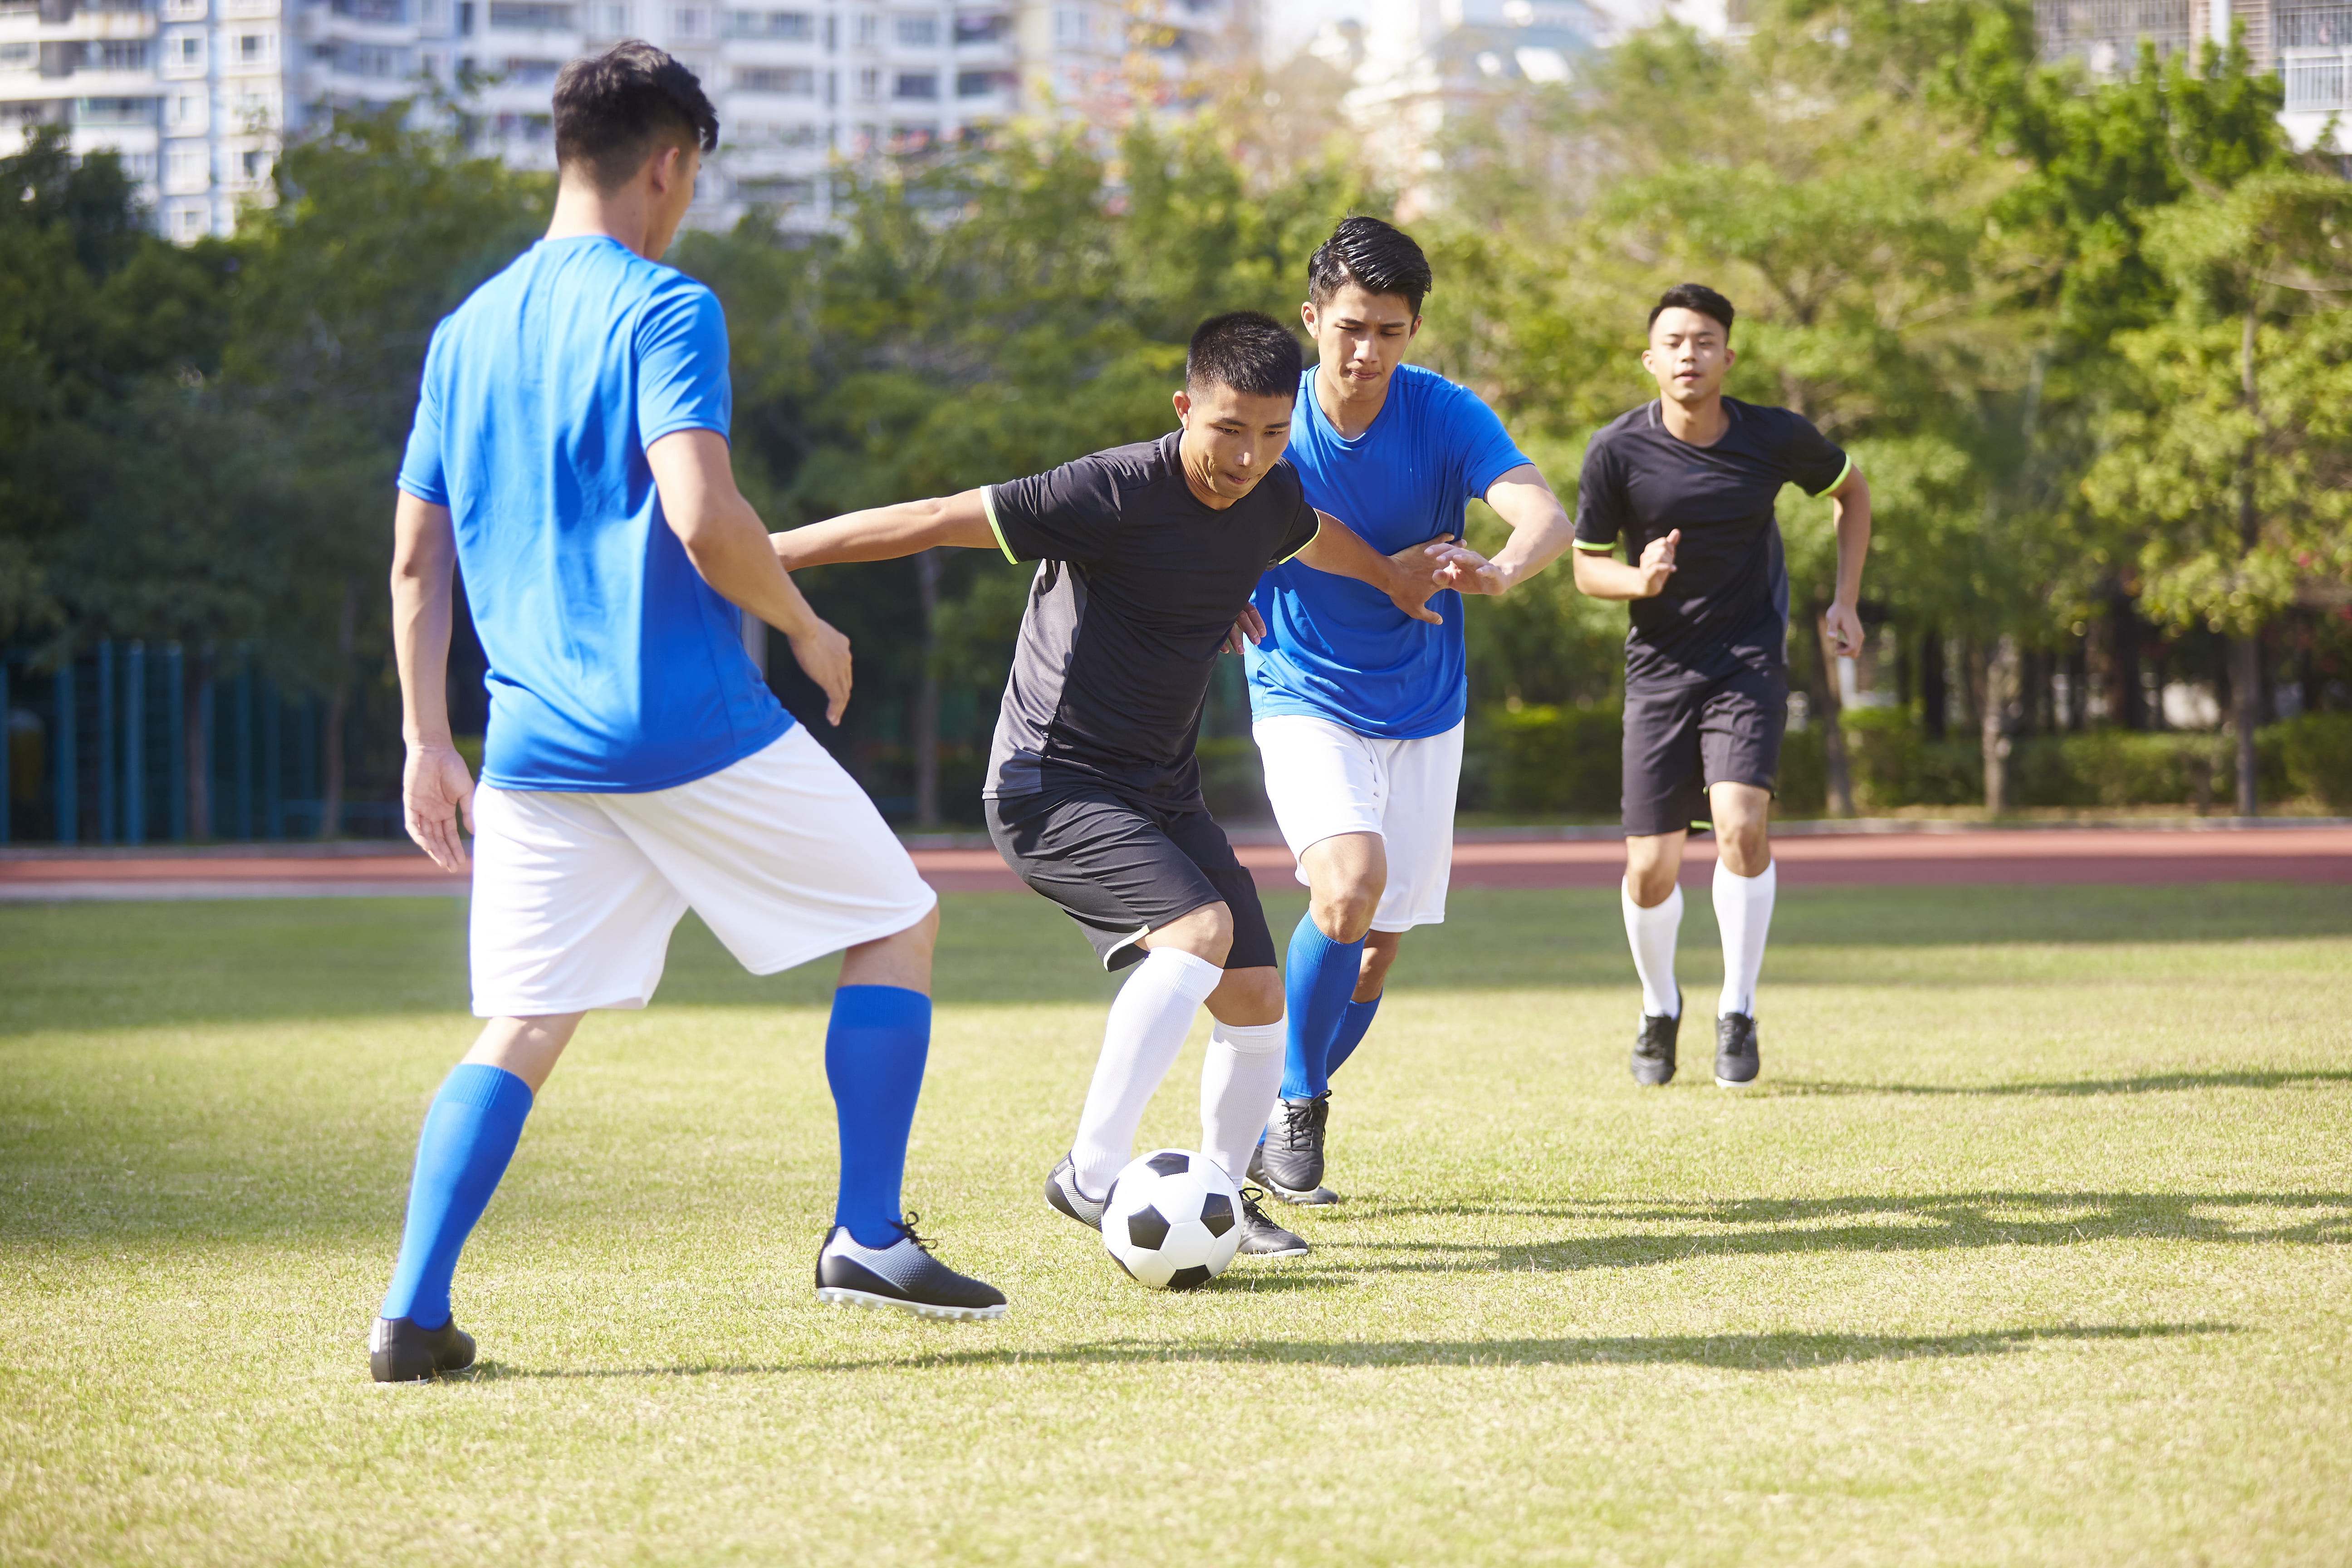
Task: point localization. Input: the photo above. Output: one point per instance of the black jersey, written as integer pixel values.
(1726, 605)
(1139, 584)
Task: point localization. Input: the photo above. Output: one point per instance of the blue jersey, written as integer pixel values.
(612, 666)
(1336, 648)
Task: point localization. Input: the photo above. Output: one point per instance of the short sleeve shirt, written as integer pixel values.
(1339, 649)
(1139, 585)
(612, 666)
(1726, 605)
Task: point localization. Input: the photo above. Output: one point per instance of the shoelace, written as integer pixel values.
(907, 1229)
(1250, 1210)
(1297, 1123)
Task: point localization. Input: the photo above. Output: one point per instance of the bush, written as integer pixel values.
(1548, 758)
(2316, 754)
(1232, 780)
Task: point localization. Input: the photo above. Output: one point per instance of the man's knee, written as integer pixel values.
(1205, 932)
(1344, 912)
(1652, 866)
(1742, 829)
(1248, 997)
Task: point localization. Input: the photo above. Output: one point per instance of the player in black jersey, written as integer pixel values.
(1148, 554)
(1688, 483)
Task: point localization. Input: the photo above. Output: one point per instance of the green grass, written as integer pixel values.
(2031, 1247)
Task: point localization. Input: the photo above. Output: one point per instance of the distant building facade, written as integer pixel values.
(2307, 42)
(197, 96)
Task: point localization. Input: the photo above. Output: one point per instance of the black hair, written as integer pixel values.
(613, 110)
(1247, 350)
(1694, 297)
(1379, 257)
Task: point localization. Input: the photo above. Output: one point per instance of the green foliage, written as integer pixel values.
(2316, 750)
(1546, 758)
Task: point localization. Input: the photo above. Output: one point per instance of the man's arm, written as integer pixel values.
(1603, 576)
(434, 784)
(1541, 531)
(728, 545)
(1340, 550)
(1850, 511)
(888, 533)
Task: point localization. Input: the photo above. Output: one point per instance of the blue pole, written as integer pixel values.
(175, 729)
(273, 765)
(106, 741)
(69, 784)
(7, 770)
(134, 743)
(245, 749)
(210, 826)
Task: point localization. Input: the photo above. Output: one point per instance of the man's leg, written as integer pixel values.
(1745, 885)
(1241, 1076)
(875, 1046)
(1345, 875)
(1651, 899)
(1364, 1002)
(469, 1135)
(1183, 964)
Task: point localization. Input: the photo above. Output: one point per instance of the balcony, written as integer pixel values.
(2318, 81)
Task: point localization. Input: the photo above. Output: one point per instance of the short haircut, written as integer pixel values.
(1247, 350)
(1378, 256)
(613, 110)
(1694, 297)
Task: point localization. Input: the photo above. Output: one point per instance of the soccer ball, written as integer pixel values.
(1173, 1220)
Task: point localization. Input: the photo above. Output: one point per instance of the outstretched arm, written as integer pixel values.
(724, 539)
(1539, 527)
(434, 784)
(1408, 579)
(1606, 577)
(888, 533)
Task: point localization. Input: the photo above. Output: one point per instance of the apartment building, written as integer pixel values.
(197, 95)
(2307, 42)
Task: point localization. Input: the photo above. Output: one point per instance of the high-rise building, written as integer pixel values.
(2307, 42)
(197, 95)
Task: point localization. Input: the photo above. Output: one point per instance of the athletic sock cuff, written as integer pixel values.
(1252, 1039)
(1309, 942)
(1724, 873)
(477, 1086)
(1188, 974)
(880, 1007)
(1672, 904)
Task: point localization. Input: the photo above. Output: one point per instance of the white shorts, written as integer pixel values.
(1324, 780)
(575, 894)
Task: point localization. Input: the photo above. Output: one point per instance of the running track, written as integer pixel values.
(2318, 853)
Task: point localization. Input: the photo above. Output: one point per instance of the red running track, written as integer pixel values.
(2320, 855)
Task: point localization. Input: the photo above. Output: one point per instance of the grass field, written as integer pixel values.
(2031, 1247)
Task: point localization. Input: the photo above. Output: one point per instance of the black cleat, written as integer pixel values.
(1653, 1048)
(1290, 1161)
(1261, 1237)
(1736, 1054)
(1256, 1173)
(902, 1275)
(400, 1351)
(1062, 1192)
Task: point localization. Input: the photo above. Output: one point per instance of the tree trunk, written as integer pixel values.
(2078, 686)
(2000, 722)
(2131, 697)
(1934, 695)
(2246, 650)
(926, 695)
(1824, 694)
(195, 680)
(331, 793)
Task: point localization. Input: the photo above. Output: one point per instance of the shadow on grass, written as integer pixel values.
(2152, 1083)
(1737, 1352)
(1753, 1227)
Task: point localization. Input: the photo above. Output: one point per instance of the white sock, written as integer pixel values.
(1743, 909)
(1652, 934)
(1149, 1020)
(1240, 1081)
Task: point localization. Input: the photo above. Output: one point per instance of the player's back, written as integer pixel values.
(613, 665)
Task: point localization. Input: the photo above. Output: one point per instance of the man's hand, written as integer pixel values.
(822, 654)
(1251, 625)
(1417, 576)
(1841, 629)
(1465, 570)
(1658, 565)
(434, 788)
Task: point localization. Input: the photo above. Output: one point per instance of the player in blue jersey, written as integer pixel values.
(1357, 708)
(570, 453)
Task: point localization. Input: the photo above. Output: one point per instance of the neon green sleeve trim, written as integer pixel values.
(987, 506)
(1303, 548)
(1833, 484)
(1601, 547)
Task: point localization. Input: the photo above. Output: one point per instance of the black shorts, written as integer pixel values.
(1681, 739)
(1120, 869)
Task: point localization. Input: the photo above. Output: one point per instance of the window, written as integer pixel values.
(918, 32)
(870, 84)
(256, 109)
(184, 111)
(530, 15)
(979, 84)
(613, 19)
(868, 32)
(183, 55)
(433, 15)
(187, 223)
(114, 111)
(370, 10)
(114, 57)
(183, 10)
(528, 72)
(689, 22)
(186, 168)
(780, 27)
(916, 84)
(1072, 26)
(252, 50)
(797, 81)
(26, 57)
(254, 166)
(777, 192)
(982, 27)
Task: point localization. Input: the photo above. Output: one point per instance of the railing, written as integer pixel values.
(2317, 81)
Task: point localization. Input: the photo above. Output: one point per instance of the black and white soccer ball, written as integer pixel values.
(1173, 1219)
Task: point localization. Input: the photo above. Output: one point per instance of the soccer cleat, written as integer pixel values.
(1256, 1173)
(1062, 1192)
(1736, 1054)
(1290, 1161)
(902, 1275)
(400, 1351)
(1653, 1048)
(1261, 1237)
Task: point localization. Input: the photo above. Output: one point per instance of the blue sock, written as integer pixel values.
(874, 1055)
(469, 1135)
(1351, 1034)
(1317, 981)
